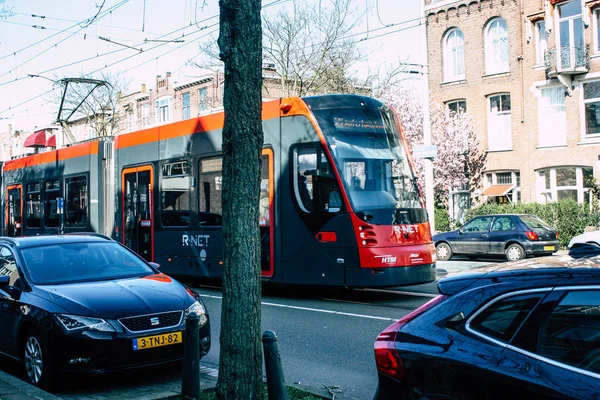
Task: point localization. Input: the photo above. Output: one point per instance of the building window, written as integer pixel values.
(597, 31)
(496, 46)
(570, 35)
(591, 100)
(457, 106)
(163, 110)
(499, 129)
(145, 115)
(454, 55)
(185, 105)
(202, 99)
(495, 193)
(541, 41)
(564, 183)
(552, 117)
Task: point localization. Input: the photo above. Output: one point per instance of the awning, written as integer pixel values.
(36, 139)
(51, 141)
(497, 190)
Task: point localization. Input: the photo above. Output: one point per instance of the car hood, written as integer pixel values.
(445, 235)
(118, 298)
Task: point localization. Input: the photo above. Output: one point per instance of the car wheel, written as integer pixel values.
(444, 251)
(514, 252)
(36, 360)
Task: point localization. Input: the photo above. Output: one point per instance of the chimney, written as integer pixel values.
(143, 88)
(168, 74)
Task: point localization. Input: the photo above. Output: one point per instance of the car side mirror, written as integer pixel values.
(154, 265)
(460, 231)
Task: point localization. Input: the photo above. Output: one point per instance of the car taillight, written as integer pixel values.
(387, 358)
(557, 234)
(531, 235)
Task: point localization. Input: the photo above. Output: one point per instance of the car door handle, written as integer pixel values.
(485, 235)
(5, 305)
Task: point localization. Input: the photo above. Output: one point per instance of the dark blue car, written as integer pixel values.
(512, 235)
(528, 329)
(85, 303)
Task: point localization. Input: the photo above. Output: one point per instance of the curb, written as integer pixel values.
(12, 388)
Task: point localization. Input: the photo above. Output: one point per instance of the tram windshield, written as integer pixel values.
(372, 161)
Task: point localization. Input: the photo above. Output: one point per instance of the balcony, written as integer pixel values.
(567, 61)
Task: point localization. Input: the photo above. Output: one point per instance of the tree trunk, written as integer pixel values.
(240, 48)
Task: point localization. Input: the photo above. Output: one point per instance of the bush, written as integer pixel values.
(442, 220)
(567, 216)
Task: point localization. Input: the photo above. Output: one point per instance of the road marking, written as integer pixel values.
(431, 295)
(313, 309)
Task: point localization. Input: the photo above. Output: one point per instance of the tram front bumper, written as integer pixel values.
(390, 276)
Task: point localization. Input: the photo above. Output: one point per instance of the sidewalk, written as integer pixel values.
(12, 388)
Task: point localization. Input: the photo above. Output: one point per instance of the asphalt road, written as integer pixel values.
(325, 339)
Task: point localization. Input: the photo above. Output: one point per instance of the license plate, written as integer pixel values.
(149, 342)
(549, 248)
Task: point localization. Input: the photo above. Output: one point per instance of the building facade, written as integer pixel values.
(528, 73)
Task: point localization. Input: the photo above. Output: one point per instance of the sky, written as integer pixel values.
(60, 38)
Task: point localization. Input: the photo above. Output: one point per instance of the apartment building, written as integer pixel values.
(528, 73)
(172, 101)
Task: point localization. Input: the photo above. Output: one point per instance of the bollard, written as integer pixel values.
(275, 381)
(190, 385)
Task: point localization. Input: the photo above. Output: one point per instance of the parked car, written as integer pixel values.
(587, 237)
(528, 329)
(512, 235)
(85, 303)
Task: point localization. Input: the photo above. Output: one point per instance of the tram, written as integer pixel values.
(339, 204)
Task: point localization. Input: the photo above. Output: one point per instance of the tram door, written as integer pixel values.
(138, 215)
(14, 211)
(267, 225)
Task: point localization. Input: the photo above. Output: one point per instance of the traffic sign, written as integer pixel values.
(425, 152)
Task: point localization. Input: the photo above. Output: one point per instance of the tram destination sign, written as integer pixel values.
(425, 152)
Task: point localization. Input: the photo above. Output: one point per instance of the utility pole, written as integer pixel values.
(428, 163)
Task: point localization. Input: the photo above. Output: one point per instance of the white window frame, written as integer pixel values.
(493, 62)
(515, 193)
(596, 32)
(162, 107)
(186, 109)
(539, 49)
(145, 115)
(201, 99)
(506, 140)
(464, 110)
(450, 74)
(543, 139)
(570, 19)
(543, 192)
(594, 137)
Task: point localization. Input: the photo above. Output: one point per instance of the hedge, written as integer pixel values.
(567, 216)
(442, 220)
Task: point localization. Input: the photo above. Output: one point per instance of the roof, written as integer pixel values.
(36, 139)
(559, 270)
(47, 240)
(497, 190)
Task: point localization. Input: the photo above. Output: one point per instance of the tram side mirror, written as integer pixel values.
(154, 265)
(335, 202)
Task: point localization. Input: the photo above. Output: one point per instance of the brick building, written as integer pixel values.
(528, 73)
(172, 101)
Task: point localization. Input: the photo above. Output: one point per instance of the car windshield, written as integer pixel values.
(534, 222)
(373, 163)
(82, 262)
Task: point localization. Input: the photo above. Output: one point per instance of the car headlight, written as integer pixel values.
(198, 308)
(75, 322)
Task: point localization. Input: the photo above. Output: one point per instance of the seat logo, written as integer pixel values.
(154, 321)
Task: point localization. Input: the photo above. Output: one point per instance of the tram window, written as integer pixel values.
(264, 206)
(315, 186)
(34, 206)
(210, 210)
(51, 193)
(76, 203)
(175, 194)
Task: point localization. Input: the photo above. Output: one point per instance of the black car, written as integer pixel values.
(85, 303)
(529, 329)
(512, 235)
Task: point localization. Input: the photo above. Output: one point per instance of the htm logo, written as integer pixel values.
(387, 259)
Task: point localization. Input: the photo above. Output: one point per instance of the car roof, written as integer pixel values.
(46, 240)
(505, 215)
(560, 270)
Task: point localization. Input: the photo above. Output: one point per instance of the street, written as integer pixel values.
(325, 339)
